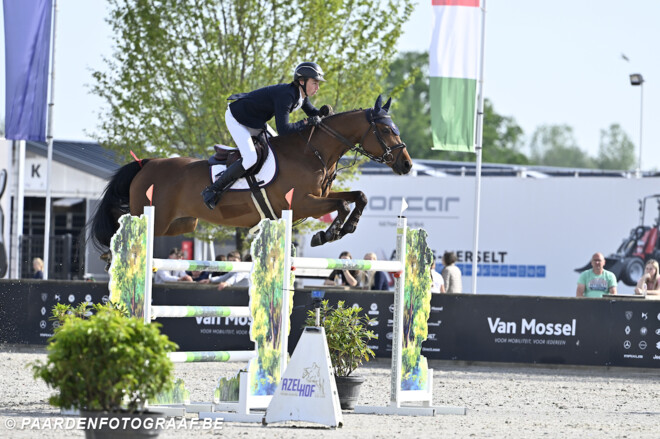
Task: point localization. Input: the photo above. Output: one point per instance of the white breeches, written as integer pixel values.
(243, 138)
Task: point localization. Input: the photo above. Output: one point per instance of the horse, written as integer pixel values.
(307, 162)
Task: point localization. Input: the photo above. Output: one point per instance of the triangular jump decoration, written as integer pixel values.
(150, 194)
(307, 391)
(289, 197)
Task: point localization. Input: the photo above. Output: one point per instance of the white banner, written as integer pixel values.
(534, 233)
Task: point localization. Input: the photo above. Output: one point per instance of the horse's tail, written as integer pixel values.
(114, 204)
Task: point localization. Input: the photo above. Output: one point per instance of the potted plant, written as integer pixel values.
(106, 365)
(348, 335)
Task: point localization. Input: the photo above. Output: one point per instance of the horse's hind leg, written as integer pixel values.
(180, 226)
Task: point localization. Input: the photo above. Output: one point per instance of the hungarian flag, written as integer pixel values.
(27, 50)
(453, 68)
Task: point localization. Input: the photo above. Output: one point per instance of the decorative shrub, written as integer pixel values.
(348, 335)
(105, 361)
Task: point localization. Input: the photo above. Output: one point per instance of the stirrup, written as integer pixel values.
(211, 196)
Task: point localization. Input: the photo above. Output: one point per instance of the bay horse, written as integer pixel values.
(307, 162)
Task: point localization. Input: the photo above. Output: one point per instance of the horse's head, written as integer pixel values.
(381, 142)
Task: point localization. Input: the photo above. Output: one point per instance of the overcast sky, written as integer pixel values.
(546, 62)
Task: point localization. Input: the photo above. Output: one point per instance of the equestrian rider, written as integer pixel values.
(249, 113)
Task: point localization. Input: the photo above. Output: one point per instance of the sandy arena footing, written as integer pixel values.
(507, 401)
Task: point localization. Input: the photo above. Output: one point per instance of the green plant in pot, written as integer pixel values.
(347, 332)
(106, 364)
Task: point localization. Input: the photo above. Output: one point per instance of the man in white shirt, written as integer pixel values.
(163, 276)
(236, 279)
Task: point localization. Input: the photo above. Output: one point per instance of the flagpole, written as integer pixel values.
(478, 147)
(49, 140)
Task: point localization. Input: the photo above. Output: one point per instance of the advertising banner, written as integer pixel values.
(533, 233)
(481, 328)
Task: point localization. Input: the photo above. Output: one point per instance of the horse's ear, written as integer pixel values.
(379, 103)
(386, 107)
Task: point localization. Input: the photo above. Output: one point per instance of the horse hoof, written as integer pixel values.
(348, 228)
(318, 239)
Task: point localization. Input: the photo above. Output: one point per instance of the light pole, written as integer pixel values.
(638, 79)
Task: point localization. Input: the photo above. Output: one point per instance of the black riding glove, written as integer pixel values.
(314, 121)
(326, 110)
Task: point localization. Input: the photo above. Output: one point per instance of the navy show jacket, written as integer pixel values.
(256, 108)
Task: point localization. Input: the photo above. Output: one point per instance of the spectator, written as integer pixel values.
(219, 273)
(451, 274)
(237, 279)
(163, 276)
(343, 277)
(649, 283)
(596, 281)
(437, 282)
(198, 276)
(38, 266)
(373, 280)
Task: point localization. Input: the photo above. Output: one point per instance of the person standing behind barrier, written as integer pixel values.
(649, 283)
(219, 273)
(437, 282)
(233, 278)
(163, 276)
(373, 280)
(596, 281)
(38, 266)
(343, 277)
(451, 274)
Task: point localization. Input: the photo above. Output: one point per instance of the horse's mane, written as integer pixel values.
(343, 113)
(327, 118)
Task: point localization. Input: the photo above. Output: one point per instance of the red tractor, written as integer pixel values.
(628, 262)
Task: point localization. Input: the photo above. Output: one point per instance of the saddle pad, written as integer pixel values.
(265, 175)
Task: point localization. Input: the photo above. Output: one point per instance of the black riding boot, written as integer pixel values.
(213, 192)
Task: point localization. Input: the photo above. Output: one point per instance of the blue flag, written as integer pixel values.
(27, 49)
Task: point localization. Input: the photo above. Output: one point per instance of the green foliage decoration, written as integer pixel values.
(266, 295)
(128, 269)
(348, 334)
(177, 394)
(416, 310)
(106, 362)
(228, 389)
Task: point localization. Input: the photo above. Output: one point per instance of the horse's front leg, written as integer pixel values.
(319, 206)
(360, 201)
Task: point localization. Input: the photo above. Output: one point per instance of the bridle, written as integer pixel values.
(387, 157)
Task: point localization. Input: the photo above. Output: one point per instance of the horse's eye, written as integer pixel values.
(386, 130)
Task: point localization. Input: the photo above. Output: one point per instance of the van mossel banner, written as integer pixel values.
(453, 62)
(534, 233)
(27, 50)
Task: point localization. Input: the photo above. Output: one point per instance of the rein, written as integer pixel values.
(386, 158)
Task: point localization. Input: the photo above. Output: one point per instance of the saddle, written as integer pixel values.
(227, 156)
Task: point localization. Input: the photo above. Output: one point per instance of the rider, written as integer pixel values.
(247, 115)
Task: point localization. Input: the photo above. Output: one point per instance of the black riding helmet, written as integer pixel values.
(308, 70)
